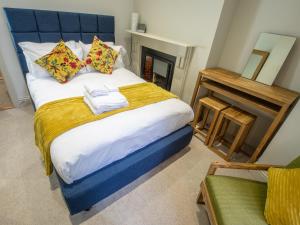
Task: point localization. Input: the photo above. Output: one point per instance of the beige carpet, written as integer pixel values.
(166, 195)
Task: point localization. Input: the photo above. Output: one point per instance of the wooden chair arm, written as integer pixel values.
(235, 165)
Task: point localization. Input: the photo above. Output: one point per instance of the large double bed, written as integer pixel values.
(98, 158)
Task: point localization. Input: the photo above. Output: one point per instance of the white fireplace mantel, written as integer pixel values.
(182, 52)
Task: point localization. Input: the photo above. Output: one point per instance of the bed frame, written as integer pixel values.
(51, 26)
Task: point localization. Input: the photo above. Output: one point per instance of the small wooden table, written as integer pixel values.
(272, 100)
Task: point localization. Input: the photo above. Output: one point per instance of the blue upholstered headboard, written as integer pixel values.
(52, 26)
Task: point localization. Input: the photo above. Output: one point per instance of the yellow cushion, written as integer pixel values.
(61, 63)
(101, 56)
(283, 197)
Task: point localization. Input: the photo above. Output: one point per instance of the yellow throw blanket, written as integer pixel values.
(57, 117)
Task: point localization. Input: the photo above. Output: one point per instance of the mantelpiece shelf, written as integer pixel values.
(163, 39)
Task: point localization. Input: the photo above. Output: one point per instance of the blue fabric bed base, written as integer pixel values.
(86, 192)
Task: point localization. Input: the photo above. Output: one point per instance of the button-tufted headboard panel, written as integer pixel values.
(52, 26)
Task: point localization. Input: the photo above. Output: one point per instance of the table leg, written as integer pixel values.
(270, 132)
(197, 114)
(205, 117)
(196, 90)
(224, 128)
(212, 126)
(216, 130)
(237, 141)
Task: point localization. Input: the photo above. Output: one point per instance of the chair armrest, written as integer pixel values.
(235, 165)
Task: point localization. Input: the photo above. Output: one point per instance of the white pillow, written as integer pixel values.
(33, 51)
(119, 48)
(43, 48)
(86, 49)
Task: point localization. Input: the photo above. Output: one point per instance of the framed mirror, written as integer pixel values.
(268, 56)
(255, 62)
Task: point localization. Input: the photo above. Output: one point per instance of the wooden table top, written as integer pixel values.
(275, 94)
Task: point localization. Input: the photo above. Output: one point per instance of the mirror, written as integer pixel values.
(255, 63)
(268, 56)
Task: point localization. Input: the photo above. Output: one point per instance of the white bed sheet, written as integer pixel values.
(88, 148)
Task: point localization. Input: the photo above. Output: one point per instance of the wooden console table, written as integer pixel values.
(273, 100)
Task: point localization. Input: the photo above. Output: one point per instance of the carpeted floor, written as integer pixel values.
(164, 196)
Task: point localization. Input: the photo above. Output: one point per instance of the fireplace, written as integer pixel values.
(157, 67)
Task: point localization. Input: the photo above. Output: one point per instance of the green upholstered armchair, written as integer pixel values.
(235, 201)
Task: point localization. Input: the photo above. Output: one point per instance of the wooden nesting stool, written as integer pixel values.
(205, 105)
(244, 119)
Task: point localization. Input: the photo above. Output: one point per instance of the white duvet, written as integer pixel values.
(88, 148)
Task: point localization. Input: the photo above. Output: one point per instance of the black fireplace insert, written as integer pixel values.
(157, 67)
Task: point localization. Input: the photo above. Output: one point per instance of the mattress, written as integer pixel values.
(92, 146)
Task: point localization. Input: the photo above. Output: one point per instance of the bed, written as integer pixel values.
(116, 150)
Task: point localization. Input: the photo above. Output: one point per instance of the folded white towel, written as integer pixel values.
(111, 88)
(100, 104)
(96, 89)
(112, 99)
(95, 111)
(101, 109)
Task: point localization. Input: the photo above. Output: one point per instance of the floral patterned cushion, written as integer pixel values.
(101, 56)
(61, 62)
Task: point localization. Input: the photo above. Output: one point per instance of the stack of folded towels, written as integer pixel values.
(103, 98)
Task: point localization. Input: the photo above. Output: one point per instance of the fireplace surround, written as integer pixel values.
(181, 52)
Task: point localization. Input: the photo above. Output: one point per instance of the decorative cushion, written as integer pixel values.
(283, 197)
(101, 56)
(237, 201)
(120, 61)
(33, 51)
(61, 63)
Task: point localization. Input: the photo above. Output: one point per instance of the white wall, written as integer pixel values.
(193, 21)
(121, 9)
(275, 16)
(221, 33)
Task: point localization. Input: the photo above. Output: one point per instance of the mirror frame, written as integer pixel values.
(264, 55)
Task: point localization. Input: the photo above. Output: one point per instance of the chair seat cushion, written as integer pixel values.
(294, 164)
(237, 201)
